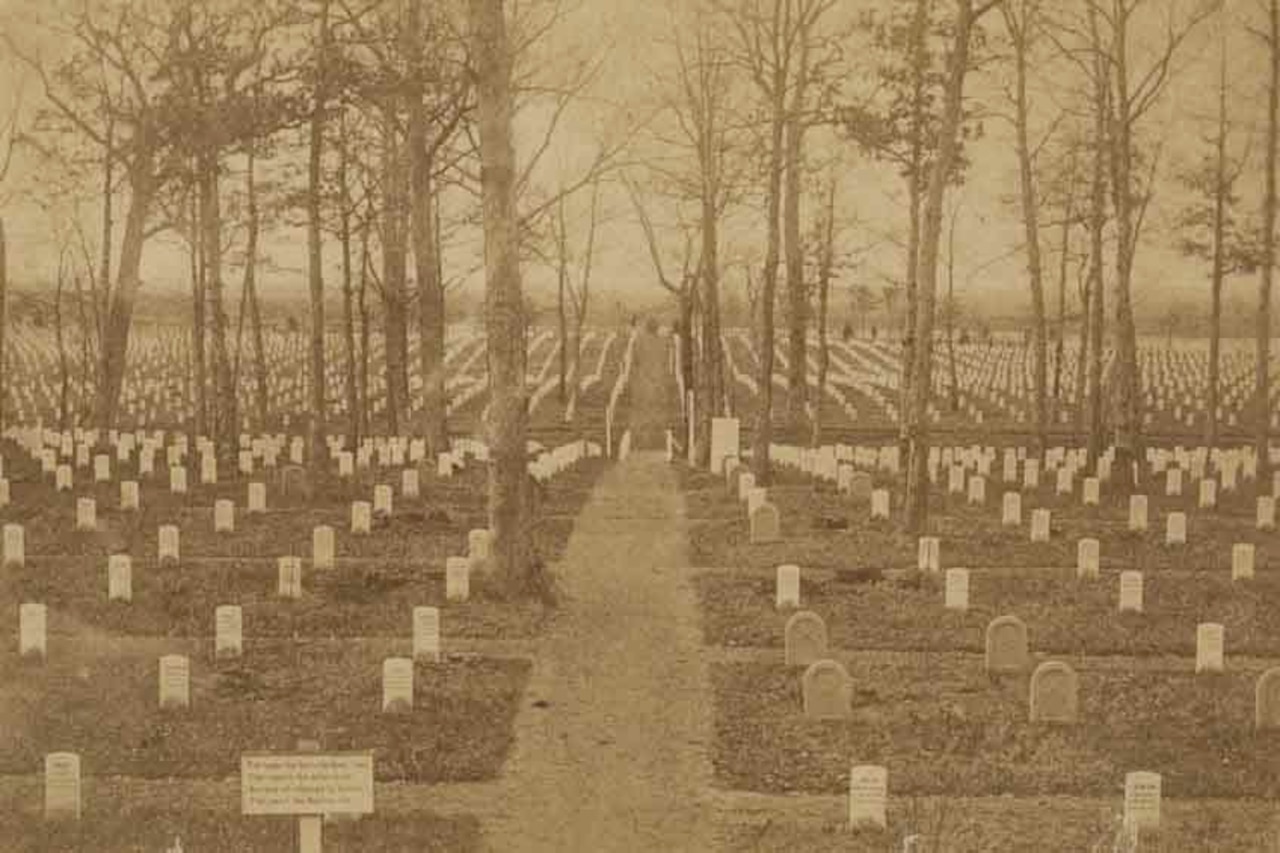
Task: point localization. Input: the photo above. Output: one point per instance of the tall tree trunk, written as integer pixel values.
(426, 255)
(508, 522)
(1060, 345)
(394, 269)
(1082, 358)
(709, 392)
(1097, 224)
(64, 365)
(930, 238)
(763, 435)
(915, 173)
(1129, 422)
(1262, 391)
(1219, 231)
(362, 307)
(315, 260)
(825, 264)
(114, 345)
(4, 326)
(562, 284)
(1020, 27)
(261, 389)
(797, 292)
(199, 426)
(352, 394)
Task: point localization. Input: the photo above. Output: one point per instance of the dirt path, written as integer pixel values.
(611, 742)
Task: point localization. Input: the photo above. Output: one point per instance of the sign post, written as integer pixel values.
(308, 785)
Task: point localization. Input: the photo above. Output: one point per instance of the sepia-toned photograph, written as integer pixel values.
(715, 426)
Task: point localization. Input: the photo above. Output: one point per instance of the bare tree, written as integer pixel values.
(506, 426)
(1262, 387)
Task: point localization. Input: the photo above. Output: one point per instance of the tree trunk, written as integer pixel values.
(915, 169)
(352, 394)
(1220, 189)
(261, 388)
(431, 325)
(797, 293)
(1129, 422)
(361, 417)
(825, 265)
(1082, 359)
(115, 339)
(1097, 224)
(394, 269)
(1060, 345)
(518, 573)
(4, 326)
(930, 238)
(562, 283)
(1262, 390)
(199, 425)
(1020, 32)
(315, 259)
(763, 434)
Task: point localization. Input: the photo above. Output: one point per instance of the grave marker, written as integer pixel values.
(32, 630)
(805, 639)
(229, 635)
(1040, 525)
(1242, 554)
(1266, 704)
(14, 546)
(361, 518)
(1054, 693)
(1175, 531)
(787, 593)
(828, 692)
(1006, 645)
(62, 785)
(1011, 509)
(1088, 552)
(1142, 800)
(175, 682)
(765, 525)
(397, 685)
(1210, 638)
(1131, 591)
(1138, 513)
(868, 795)
(928, 554)
(119, 578)
(322, 547)
(956, 596)
(289, 583)
(1266, 514)
(168, 550)
(257, 497)
(130, 499)
(86, 514)
(224, 516)
(457, 578)
(426, 633)
(880, 504)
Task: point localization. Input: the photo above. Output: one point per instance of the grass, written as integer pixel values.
(153, 831)
(106, 709)
(1064, 615)
(942, 726)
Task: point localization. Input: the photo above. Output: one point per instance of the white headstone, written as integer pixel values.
(14, 546)
(322, 547)
(724, 441)
(168, 550)
(1173, 482)
(1266, 517)
(257, 497)
(457, 578)
(868, 796)
(977, 490)
(957, 589)
(1242, 554)
(175, 682)
(479, 544)
(178, 480)
(1208, 494)
(426, 633)
(1011, 509)
(86, 514)
(1175, 531)
(62, 785)
(229, 636)
(1209, 647)
(880, 504)
(224, 516)
(361, 517)
(1088, 552)
(129, 497)
(1092, 491)
(32, 629)
(382, 500)
(346, 465)
(928, 554)
(1040, 525)
(289, 582)
(63, 479)
(1138, 513)
(1131, 591)
(410, 483)
(1142, 800)
(397, 684)
(102, 468)
(788, 587)
(119, 578)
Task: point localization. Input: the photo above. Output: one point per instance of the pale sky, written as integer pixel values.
(630, 40)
